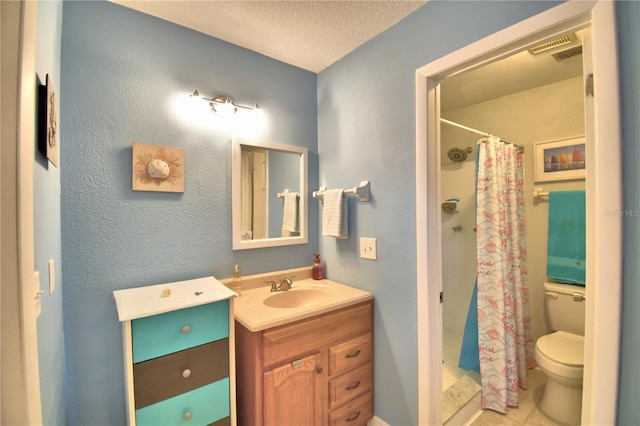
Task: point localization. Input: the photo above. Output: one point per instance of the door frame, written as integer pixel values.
(20, 368)
(604, 195)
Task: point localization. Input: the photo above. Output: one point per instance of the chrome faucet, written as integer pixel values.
(285, 284)
(274, 285)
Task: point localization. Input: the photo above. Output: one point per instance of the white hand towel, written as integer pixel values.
(290, 214)
(334, 214)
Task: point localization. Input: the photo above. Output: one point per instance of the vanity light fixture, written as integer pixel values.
(223, 105)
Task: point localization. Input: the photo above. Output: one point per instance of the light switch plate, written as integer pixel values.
(368, 248)
(52, 276)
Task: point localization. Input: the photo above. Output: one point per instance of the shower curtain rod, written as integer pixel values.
(477, 132)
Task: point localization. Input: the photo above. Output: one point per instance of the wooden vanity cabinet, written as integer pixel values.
(316, 371)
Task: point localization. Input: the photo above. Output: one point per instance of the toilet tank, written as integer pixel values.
(563, 307)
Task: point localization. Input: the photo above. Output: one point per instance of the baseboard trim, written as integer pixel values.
(377, 421)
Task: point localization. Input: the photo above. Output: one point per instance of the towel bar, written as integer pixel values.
(362, 191)
(538, 192)
(286, 191)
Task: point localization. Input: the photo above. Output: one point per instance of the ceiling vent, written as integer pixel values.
(553, 43)
(568, 53)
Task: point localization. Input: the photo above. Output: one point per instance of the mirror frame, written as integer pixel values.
(236, 196)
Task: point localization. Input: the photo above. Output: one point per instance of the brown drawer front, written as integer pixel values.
(345, 356)
(348, 386)
(290, 341)
(222, 422)
(355, 413)
(161, 378)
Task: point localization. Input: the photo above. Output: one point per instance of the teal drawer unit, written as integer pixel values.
(178, 330)
(170, 375)
(202, 406)
(179, 353)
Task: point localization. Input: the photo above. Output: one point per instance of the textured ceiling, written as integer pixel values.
(312, 35)
(307, 34)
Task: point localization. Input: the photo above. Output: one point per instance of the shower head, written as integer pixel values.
(458, 155)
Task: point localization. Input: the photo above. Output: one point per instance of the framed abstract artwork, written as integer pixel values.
(559, 160)
(157, 168)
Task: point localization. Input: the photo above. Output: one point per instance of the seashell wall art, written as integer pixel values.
(157, 168)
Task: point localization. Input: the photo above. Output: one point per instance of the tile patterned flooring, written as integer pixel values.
(451, 373)
(458, 395)
(527, 413)
(459, 387)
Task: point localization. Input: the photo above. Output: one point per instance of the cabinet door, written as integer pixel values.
(293, 393)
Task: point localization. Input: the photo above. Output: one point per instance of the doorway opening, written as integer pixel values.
(604, 189)
(526, 98)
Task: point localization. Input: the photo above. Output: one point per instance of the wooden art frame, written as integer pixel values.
(559, 160)
(157, 168)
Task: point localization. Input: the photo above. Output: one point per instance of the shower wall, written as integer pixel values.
(547, 113)
(458, 243)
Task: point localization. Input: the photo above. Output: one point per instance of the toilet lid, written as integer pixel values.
(563, 347)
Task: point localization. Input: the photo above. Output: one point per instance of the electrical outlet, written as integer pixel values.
(368, 248)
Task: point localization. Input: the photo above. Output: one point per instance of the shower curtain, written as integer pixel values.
(504, 330)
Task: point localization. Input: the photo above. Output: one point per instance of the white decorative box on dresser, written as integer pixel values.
(179, 353)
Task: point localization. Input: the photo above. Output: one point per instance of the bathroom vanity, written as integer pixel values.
(305, 356)
(179, 353)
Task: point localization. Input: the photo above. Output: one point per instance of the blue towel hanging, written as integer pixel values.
(469, 353)
(566, 243)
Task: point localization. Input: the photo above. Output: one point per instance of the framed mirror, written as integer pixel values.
(269, 194)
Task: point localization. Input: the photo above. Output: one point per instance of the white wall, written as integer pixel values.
(458, 248)
(551, 112)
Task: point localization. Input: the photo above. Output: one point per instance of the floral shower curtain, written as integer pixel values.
(504, 328)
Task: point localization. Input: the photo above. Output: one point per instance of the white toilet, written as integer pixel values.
(560, 354)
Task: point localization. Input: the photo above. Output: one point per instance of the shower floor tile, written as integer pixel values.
(451, 373)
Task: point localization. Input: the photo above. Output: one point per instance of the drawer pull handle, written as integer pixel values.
(187, 415)
(354, 386)
(354, 418)
(353, 355)
(319, 370)
(185, 329)
(186, 373)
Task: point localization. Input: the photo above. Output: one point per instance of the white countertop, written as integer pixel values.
(150, 300)
(254, 315)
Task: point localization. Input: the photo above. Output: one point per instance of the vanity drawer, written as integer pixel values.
(167, 376)
(355, 413)
(203, 406)
(174, 331)
(348, 386)
(289, 341)
(345, 356)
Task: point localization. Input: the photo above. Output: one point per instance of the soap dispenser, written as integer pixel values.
(237, 279)
(317, 271)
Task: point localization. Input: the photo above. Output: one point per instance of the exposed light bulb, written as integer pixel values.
(226, 109)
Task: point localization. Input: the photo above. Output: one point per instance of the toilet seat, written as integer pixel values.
(561, 353)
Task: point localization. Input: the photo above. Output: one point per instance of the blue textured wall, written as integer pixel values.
(628, 14)
(366, 110)
(125, 78)
(47, 237)
(119, 70)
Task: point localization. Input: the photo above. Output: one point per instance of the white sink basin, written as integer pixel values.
(259, 308)
(296, 298)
